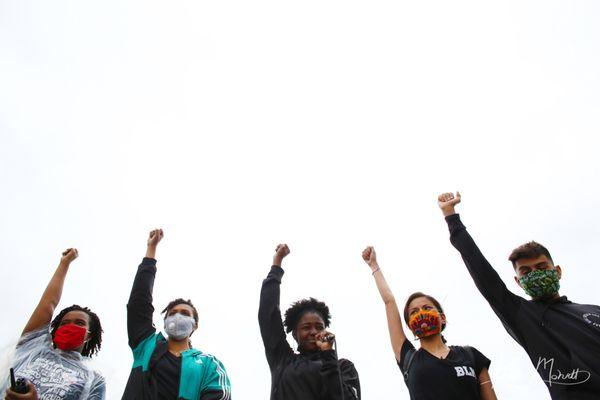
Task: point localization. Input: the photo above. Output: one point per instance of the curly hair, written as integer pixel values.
(92, 346)
(301, 307)
(181, 301)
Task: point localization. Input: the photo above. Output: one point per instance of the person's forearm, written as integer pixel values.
(382, 286)
(151, 252)
(447, 211)
(50, 298)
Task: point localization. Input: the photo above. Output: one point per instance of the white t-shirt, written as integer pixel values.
(56, 374)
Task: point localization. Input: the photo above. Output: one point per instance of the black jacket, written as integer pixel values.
(562, 338)
(315, 376)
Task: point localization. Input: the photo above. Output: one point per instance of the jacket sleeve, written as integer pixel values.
(139, 306)
(340, 377)
(269, 319)
(98, 390)
(217, 385)
(488, 282)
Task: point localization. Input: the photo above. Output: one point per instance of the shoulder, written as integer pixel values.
(209, 360)
(473, 355)
(39, 335)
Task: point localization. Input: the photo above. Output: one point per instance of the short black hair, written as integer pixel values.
(529, 250)
(181, 301)
(301, 307)
(92, 346)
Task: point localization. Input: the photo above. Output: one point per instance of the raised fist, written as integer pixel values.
(155, 236)
(281, 251)
(370, 257)
(69, 255)
(447, 201)
(324, 340)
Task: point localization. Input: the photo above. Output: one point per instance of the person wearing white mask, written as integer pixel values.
(167, 368)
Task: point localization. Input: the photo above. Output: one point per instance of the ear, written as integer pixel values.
(294, 335)
(558, 271)
(443, 320)
(518, 282)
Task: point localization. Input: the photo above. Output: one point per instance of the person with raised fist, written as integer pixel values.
(436, 370)
(562, 338)
(314, 372)
(167, 368)
(53, 355)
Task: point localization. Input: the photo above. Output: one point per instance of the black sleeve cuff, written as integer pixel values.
(276, 272)
(454, 223)
(151, 262)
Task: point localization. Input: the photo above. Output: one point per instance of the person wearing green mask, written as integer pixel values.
(561, 338)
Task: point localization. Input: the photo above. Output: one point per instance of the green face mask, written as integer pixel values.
(540, 283)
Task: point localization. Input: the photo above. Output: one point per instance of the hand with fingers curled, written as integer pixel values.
(281, 251)
(325, 340)
(370, 257)
(31, 394)
(155, 237)
(69, 255)
(447, 202)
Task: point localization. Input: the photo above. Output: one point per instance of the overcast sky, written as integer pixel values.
(328, 125)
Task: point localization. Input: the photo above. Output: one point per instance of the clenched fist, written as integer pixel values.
(281, 251)
(447, 201)
(155, 237)
(68, 256)
(370, 257)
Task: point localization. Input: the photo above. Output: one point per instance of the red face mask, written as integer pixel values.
(69, 336)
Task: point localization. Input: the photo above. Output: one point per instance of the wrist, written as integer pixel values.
(448, 211)
(277, 261)
(374, 266)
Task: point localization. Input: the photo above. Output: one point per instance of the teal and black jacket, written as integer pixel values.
(202, 376)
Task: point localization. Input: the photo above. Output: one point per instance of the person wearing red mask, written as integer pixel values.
(53, 355)
(435, 370)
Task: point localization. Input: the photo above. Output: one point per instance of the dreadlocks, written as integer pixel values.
(181, 301)
(92, 346)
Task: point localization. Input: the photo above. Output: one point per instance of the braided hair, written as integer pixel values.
(92, 346)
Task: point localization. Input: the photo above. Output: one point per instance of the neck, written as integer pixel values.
(177, 347)
(433, 343)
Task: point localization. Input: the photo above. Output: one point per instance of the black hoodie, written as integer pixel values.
(314, 376)
(562, 338)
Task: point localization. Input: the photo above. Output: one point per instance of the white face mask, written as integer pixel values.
(179, 326)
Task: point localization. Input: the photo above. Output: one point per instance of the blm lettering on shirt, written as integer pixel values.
(465, 371)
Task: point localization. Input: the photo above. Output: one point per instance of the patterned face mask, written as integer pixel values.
(540, 283)
(425, 323)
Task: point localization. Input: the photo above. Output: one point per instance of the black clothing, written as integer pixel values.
(314, 376)
(562, 338)
(167, 374)
(455, 377)
(156, 373)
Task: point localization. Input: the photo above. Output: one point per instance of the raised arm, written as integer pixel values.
(139, 306)
(269, 314)
(42, 315)
(397, 336)
(487, 280)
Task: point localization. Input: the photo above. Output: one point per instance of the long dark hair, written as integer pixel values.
(92, 346)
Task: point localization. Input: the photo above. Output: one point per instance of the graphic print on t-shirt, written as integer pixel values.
(592, 319)
(53, 380)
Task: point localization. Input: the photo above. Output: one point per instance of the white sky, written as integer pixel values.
(235, 125)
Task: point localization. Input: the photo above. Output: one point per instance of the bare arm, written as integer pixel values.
(42, 314)
(486, 388)
(397, 336)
